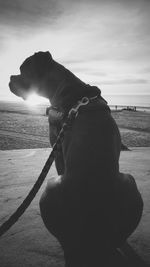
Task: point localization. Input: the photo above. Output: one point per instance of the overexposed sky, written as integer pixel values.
(104, 42)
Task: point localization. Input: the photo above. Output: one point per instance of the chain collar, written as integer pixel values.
(56, 116)
(72, 114)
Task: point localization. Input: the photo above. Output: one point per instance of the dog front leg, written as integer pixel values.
(51, 207)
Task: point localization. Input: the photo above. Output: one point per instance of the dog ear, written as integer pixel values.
(43, 55)
(35, 66)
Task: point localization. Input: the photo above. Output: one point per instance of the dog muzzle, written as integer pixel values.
(19, 86)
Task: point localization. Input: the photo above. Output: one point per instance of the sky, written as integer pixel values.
(104, 42)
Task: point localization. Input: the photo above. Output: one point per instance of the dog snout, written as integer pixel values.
(14, 84)
(12, 77)
(19, 86)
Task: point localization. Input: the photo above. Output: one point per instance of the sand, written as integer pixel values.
(22, 133)
(21, 128)
(28, 243)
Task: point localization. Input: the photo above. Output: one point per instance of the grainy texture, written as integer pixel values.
(134, 127)
(139, 121)
(28, 243)
(23, 127)
(28, 128)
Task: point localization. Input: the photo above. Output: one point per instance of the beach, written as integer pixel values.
(23, 127)
(71, 54)
(24, 148)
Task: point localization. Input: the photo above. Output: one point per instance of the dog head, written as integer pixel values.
(39, 73)
(32, 75)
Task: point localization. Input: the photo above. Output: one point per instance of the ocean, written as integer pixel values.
(141, 102)
(128, 100)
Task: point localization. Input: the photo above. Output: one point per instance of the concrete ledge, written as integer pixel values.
(28, 243)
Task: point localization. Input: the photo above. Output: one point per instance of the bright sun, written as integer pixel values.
(34, 100)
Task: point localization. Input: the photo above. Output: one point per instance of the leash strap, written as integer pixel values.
(73, 113)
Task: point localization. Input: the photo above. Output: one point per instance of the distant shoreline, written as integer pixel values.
(141, 101)
(23, 127)
(40, 109)
(130, 107)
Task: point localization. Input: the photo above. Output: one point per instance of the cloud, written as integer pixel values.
(145, 70)
(20, 20)
(28, 13)
(105, 40)
(88, 71)
(126, 81)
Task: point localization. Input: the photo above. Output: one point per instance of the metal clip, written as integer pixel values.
(84, 101)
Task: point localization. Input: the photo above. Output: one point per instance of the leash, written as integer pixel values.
(73, 113)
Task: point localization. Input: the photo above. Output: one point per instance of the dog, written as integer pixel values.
(91, 208)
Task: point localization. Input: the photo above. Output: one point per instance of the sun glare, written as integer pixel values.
(34, 100)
